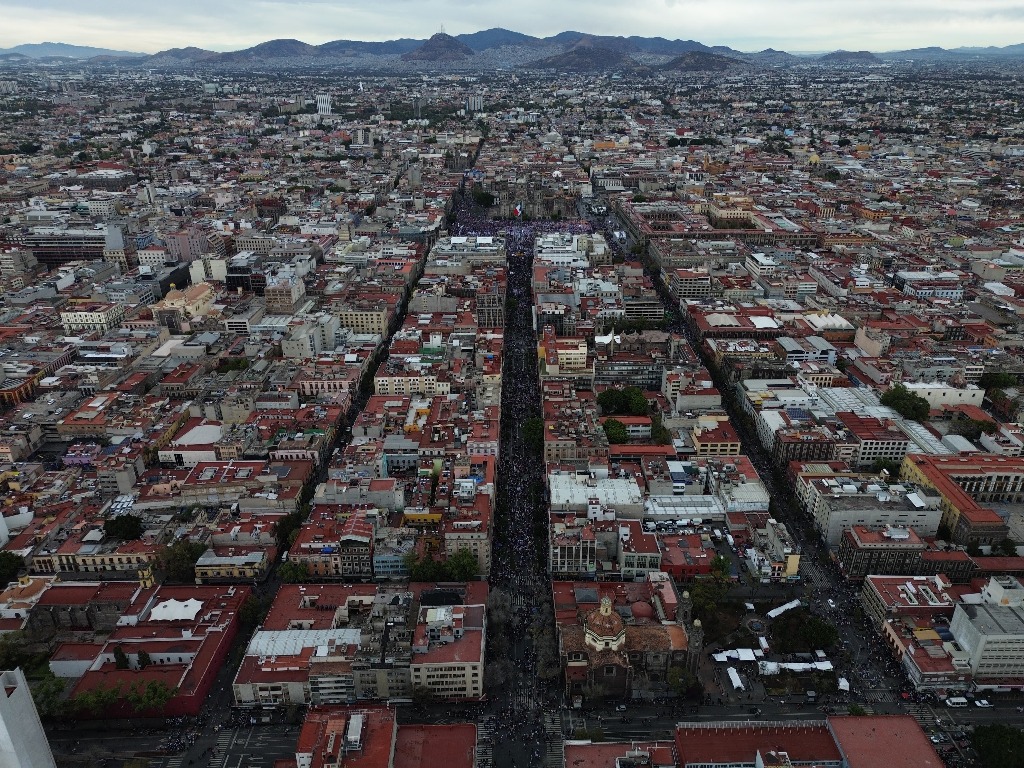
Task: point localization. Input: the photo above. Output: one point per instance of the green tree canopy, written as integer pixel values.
(10, 565)
(681, 680)
(630, 401)
(972, 429)
(720, 567)
(178, 560)
(294, 572)
(799, 631)
(463, 565)
(997, 380)
(124, 527)
(460, 566)
(906, 403)
(616, 431)
(999, 746)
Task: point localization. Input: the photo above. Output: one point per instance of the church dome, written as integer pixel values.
(642, 610)
(604, 627)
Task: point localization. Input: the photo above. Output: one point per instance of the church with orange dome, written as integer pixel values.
(621, 640)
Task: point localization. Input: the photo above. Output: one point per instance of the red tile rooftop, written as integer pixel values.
(427, 746)
(892, 741)
(740, 743)
(608, 755)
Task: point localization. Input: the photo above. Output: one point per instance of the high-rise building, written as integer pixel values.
(323, 104)
(22, 741)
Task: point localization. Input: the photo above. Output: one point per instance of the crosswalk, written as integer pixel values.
(923, 714)
(220, 755)
(882, 697)
(484, 744)
(525, 699)
(554, 754)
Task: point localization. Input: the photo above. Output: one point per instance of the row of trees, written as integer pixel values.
(461, 566)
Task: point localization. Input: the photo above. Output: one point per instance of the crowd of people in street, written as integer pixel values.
(517, 560)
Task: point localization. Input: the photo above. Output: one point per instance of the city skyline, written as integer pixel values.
(747, 25)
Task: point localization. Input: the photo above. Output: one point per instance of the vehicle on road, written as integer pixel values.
(955, 702)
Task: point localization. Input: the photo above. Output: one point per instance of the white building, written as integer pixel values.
(937, 393)
(22, 741)
(992, 631)
(323, 104)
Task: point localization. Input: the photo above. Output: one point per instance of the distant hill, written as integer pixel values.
(41, 50)
(702, 61)
(498, 48)
(191, 53)
(634, 44)
(496, 38)
(358, 47)
(931, 53)
(440, 48)
(274, 49)
(585, 58)
(992, 50)
(771, 56)
(850, 57)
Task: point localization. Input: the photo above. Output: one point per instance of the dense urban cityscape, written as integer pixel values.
(496, 401)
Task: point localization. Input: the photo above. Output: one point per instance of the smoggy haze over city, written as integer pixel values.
(793, 25)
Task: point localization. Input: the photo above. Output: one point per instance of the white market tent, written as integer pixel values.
(734, 677)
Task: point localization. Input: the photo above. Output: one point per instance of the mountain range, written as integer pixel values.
(492, 48)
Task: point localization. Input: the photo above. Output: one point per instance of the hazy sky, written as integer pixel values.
(145, 25)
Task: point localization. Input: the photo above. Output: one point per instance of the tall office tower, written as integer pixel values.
(22, 741)
(323, 103)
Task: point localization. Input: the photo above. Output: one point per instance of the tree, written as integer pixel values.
(250, 615)
(857, 710)
(121, 658)
(999, 745)
(48, 695)
(611, 401)
(10, 565)
(906, 403)
(630, 401)
(286, 526)
(462, 566)
(707, 596)
(149, 695)
(144, 658)
(1007, 547)
(178, 560)
(890, 466)
(972, 429)
(636, 401)
(97, 700)
(681, 679)
(944, 533)
(294, 572)
(616, 431)
(660, 434)
(124, 527)
(721, 567)
(799, 631)
(997, 380)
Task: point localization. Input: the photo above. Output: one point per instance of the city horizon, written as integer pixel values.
(738, 24)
